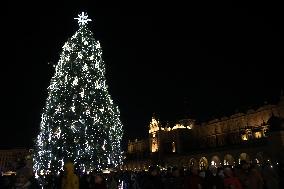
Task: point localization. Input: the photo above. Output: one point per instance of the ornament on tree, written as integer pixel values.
(82, 121)
(80, 55)
(73, 108)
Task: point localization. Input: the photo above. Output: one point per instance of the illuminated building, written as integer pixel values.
(255, 135)
(12, 158)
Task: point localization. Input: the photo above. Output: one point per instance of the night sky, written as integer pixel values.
(179, 61)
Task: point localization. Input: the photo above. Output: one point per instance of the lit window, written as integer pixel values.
(264, 131)
(244, 137)
(173, 147)
(154, 145)
(257, 134)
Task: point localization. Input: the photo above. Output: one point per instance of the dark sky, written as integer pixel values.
(199, 61)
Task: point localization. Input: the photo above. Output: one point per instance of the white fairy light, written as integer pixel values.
(97, 65)
(75, 81)
(82, 93)
(82, 121)
(73, 108)
(80, 55)
(98, 45)
(58, 132)
(73, 128)
(97, 85)
(85, 67)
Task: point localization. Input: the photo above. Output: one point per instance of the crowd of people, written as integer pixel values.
(243, 176)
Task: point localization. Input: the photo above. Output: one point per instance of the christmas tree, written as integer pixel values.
(79, 122)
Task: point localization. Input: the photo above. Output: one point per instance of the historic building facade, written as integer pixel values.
(257, 135)
(12, 158)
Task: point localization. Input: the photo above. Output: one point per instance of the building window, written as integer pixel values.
(244, 137)
(257, 134)
(173, 147)
(154, 145)
(247, 135)
(264, 131)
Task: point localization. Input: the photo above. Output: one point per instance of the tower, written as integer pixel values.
(154, 129)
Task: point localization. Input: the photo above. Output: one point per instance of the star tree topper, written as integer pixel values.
(83, 19)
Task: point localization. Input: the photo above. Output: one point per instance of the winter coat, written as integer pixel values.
(232, 183)
(70, 180)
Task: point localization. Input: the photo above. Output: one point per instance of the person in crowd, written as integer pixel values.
(152, 180)
(193, 181)
(270, 177)
(6, 182)
(23, 180)
(70, 180)
(98, 182)
(249, 176)
(230, 181)
(174, 181)
(112, 183)
(213, 180)
(84, 184)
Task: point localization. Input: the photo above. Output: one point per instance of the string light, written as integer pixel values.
(78, 101)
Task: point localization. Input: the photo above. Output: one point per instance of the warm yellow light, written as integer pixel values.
(154, 146)
(257, 134)
(173, 147)
(154, 126)
(244, 137)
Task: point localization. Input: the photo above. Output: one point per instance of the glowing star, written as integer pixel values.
(83, 19)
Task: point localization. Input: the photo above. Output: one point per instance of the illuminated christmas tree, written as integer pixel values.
(80, 122)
